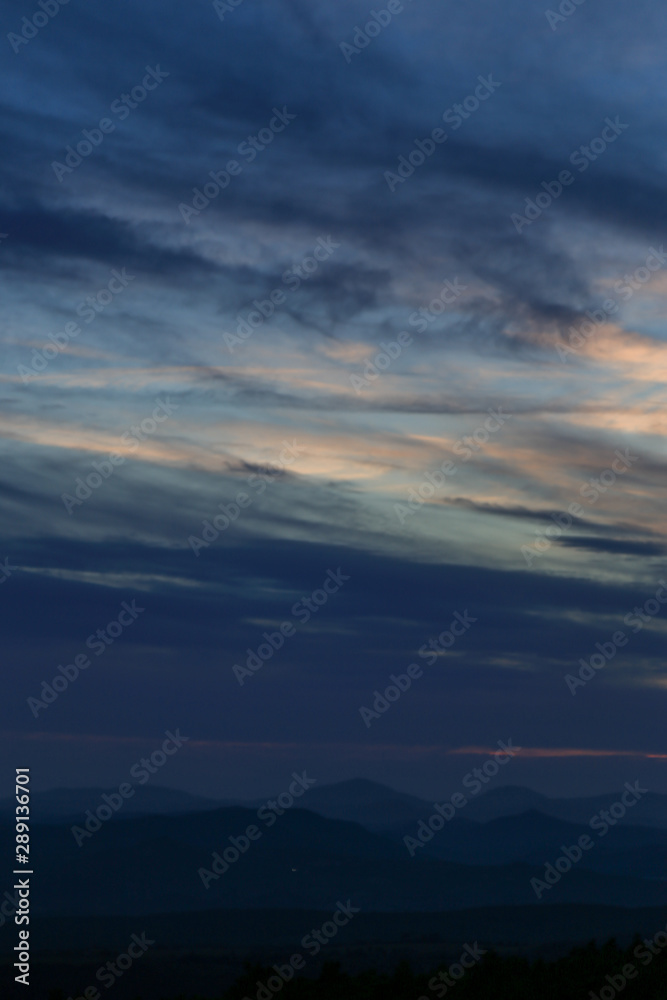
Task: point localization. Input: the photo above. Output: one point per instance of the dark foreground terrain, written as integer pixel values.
(141, 908)
(520, 952)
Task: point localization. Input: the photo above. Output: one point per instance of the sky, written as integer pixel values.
(299, 294)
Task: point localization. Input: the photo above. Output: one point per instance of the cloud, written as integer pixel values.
(494, 346)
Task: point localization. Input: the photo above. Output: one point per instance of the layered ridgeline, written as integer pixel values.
(310, 846)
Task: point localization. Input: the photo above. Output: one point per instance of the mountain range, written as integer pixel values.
(165, 861)
(358, 800)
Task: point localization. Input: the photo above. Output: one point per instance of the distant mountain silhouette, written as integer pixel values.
(373, 805)
(650, 810)
(380, 808)
(534, 838)
(63, 804)
(508, 800)
(305, 861)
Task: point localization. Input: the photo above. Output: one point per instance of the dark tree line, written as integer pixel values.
(586, 973)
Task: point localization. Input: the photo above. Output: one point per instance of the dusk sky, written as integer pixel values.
(418, 316)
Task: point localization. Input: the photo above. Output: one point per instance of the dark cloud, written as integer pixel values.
(40, 234)
(615, 545)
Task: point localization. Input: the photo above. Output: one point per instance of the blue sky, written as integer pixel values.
(372, 325)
